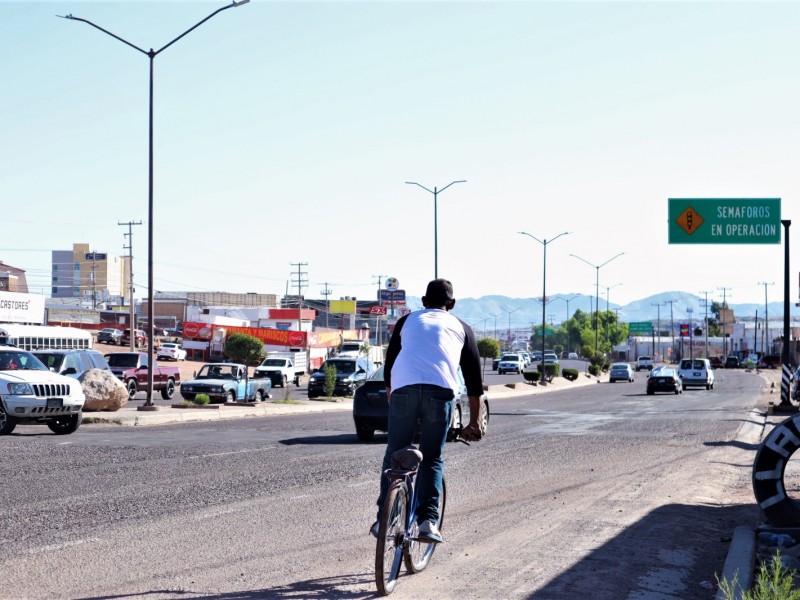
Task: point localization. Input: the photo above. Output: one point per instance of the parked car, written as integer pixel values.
(664, 379)
(769, 361)
(511, 363)
(620, 372)
(351, 372)
(716, 362)
(171, 351)
(696, 371)
(72, 363)
(371, 408)
(131, 368)
(141, 337)
(732, 362)
(109, 336)
(226, 383)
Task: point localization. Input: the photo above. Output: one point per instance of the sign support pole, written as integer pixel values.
(785, 354)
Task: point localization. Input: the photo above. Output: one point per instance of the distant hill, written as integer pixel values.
(489, 312)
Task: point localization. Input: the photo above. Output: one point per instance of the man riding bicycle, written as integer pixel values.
(421, 373)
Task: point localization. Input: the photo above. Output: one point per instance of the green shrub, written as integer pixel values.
(201, 399)
(330, 380)
(532, 376)
(594, 370)
(570, 374)
(243, 348)
(550, 370)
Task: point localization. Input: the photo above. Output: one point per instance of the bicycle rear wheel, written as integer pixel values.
(417, 554)
(391, 531)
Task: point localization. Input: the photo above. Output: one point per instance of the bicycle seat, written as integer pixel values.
(406, 459)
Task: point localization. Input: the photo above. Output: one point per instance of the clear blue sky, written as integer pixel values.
(284, 132)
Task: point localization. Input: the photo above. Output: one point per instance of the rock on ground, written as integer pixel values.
(104, 392)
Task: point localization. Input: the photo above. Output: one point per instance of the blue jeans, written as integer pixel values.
(432, 407)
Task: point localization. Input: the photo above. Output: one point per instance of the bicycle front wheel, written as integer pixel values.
(391, 531)
(417, 554)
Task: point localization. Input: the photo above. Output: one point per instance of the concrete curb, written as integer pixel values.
(740, 562)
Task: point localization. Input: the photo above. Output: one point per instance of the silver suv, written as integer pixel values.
(72, 363)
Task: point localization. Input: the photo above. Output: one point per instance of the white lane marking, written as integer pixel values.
(70, 544)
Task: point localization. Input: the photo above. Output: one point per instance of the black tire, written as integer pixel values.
(391, 529)
(483, 419)
(230, 396)
(133, 387)
(168, 391)
(769, 466)
(364, 433)
(284, 381)
(259, 397)
(456, 421)
(650, 392)
(65, 425)
(418, 554)
(7, 424)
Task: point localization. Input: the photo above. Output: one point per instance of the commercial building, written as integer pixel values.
(94, 277)
(12, 279)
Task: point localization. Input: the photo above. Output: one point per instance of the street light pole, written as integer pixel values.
(435, 191)
(597, 292)
(510, 312)
(608, 323)
(544, 287)
(151, 54)
(568, 300)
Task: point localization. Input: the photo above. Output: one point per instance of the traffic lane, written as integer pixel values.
(172, 511)
(492, 377)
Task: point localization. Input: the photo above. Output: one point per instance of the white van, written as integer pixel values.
(696, 371)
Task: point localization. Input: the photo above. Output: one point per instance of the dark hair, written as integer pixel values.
(439, 293)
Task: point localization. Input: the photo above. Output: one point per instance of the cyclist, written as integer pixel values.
(421, 372)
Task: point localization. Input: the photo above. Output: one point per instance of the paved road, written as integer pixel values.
(596, 492)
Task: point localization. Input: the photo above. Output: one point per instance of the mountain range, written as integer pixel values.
(489, 313)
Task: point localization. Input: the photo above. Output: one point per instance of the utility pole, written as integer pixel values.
(690, 310)
(705, 305)
(766, 319)
(301, 281)
(326, 292)
(94, 287)
(379, 317)
(658, 305)
(129, 248)
(724, 327)
(671, 324)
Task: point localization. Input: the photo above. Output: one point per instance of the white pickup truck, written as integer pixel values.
(644, 362)
(283, 367)
(31, 393)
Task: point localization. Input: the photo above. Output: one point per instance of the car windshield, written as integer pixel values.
(341, 366)
(123, 360)
(619, 367)
(217, 372)
(510, 357)
(273, 362)
(51, 360)
(21, 360)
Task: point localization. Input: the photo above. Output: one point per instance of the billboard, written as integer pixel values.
(21, 308)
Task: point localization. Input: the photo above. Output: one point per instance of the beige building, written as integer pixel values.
(12, 279)
(90, 275)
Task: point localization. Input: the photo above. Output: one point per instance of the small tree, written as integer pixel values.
(245, 349)
(488, 348)
(330, 380)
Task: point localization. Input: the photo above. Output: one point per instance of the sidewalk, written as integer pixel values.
(132, 415)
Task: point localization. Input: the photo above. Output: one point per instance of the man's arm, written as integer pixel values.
(470, 363)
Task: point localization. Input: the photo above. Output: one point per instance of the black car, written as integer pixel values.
(351, 372)
(371, 408)
(109, 336)
(72, 363)
(664, 379)
(732, 362)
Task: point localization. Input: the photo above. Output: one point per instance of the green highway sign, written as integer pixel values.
(645, 327)
(547, 331)
(724, 220)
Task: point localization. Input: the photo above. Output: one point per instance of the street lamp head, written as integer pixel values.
(240, 2)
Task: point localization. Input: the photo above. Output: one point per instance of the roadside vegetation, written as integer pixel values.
(773, 582)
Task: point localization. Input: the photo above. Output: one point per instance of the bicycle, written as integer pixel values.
(398, 540)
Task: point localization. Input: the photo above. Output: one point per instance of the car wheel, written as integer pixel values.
(7, 424)
(650, 392)
(168, 391)
(708, 386)
(230, 396)
(132, 388)
(483, 419)
(455, 423)
(65, 425)
(259, 397)
(284, 381)
(364, 433)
